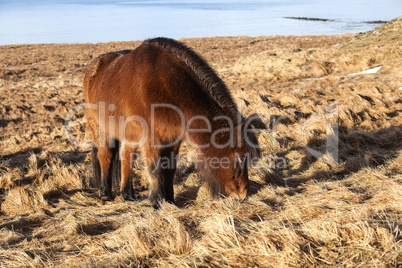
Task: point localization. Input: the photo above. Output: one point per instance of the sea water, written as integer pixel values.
(75, 21)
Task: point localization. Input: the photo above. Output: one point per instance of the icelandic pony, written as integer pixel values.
(152, 98)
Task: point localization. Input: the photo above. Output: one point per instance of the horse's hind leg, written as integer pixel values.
(126, 159)
(105, 156)
(102, 155)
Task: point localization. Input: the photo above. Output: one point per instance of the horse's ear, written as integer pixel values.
(248, 133)
(237, 166)
(255, 121)
(241, 166)
(245, 166)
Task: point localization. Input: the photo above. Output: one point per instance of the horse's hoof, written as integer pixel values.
(105, 198)
(157, 205)
(129, 198)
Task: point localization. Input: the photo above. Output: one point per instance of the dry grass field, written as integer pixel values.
(320, 196)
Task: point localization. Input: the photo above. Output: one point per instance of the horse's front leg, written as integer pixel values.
(151, 160)
(168, 163)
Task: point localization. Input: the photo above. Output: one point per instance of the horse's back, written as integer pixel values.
(147, 82)
(96, 70)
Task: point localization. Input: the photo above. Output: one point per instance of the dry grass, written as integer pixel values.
(302, 211)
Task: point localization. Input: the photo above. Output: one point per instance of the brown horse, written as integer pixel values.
(152, 98)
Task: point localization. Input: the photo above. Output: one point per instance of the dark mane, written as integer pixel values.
(213, 85)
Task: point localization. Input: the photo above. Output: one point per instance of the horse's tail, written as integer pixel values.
(115, 167)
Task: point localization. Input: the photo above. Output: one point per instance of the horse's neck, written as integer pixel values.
(216, 128)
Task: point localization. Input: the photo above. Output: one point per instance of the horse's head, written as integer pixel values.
(237, 186)
(248, 151)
